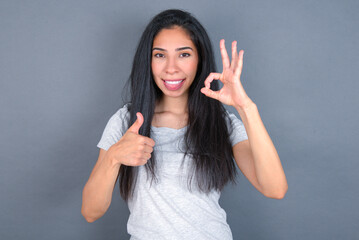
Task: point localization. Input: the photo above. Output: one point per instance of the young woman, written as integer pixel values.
(172, 146)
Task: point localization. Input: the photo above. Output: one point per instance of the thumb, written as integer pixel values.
(137, 124)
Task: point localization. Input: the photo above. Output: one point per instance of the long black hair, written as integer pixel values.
(207, 136)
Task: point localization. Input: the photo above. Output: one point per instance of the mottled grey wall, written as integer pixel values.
(63, 65)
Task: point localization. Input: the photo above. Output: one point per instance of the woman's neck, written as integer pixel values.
(174, 105)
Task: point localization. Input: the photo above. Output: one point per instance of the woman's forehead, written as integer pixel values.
(173, 38)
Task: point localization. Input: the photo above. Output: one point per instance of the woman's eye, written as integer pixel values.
(159, 55)
(185, 55)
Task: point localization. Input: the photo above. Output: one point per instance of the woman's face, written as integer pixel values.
(174, 61)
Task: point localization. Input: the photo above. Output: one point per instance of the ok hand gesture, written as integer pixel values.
(232, 92)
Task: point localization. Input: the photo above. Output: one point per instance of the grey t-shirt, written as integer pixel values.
(167, 209)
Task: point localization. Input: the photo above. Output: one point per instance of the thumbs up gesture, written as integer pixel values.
(133, 149)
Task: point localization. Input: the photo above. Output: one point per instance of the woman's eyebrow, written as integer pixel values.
(177, 49)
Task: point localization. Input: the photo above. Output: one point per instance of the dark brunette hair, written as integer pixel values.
(207, 136)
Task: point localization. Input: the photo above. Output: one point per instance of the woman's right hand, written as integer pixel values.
(132, 149)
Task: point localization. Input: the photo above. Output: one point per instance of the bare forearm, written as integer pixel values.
(97, 193)
(268, 168)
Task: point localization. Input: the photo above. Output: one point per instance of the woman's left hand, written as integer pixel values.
(232, 92)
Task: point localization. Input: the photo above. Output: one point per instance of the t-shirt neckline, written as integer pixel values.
(168, 128)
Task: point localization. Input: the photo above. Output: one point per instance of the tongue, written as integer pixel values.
(173, 87)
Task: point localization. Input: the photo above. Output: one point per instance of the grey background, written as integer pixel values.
(63, 65)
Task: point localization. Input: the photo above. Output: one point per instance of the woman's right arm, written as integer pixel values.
(131, 150)
(97, 193)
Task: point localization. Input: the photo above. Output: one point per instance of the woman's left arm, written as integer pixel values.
(259, 155)
(256, 157)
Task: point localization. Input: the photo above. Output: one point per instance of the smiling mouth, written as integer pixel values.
(176, 81)
(174, 84)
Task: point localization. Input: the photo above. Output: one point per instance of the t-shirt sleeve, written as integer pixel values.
(237, 131)
(115, 128)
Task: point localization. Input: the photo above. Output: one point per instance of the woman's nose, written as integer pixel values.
(171, 66)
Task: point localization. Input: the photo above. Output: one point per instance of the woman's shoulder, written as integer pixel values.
(119, 120)
(237, 131)
(231, 118)
(123, 111)
(115, 128)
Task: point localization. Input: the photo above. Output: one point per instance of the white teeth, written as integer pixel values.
(173, 82)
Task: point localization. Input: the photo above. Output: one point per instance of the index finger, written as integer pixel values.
(225, 58)
(149, 141)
